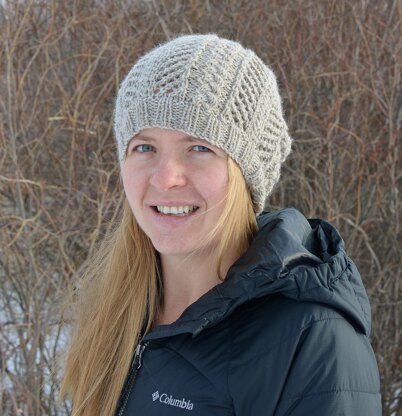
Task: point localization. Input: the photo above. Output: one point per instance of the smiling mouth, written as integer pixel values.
(184, 214)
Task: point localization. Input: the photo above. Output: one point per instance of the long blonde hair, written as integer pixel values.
(120, 294)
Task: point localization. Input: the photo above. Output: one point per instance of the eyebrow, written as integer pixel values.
(185, 139)
(151, 139)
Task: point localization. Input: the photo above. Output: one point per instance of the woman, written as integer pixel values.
(199, 302)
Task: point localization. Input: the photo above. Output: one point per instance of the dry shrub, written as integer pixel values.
(339, 65)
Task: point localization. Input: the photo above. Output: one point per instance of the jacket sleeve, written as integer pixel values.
(328, 369)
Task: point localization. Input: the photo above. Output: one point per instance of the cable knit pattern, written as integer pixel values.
(214, 89)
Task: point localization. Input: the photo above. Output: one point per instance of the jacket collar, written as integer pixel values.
(302, 259)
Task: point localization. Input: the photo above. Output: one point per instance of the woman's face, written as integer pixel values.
(175, 185)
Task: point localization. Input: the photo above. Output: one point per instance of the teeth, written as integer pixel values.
(176, 210)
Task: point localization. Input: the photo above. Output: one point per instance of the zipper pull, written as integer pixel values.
(138, 354)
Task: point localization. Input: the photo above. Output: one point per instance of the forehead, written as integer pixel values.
(152, 138)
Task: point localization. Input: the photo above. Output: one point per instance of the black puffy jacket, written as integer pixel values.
(285, 334)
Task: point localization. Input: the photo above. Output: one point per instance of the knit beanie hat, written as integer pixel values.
(214, 89)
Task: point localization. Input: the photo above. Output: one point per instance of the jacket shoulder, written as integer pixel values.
(303, 355)
(275, 318)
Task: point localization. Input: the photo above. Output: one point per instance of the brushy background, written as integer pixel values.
(338, 63)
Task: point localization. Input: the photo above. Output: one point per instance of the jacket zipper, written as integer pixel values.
(132, 375)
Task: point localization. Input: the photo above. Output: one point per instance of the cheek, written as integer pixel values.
(133, 185)
(215, 183)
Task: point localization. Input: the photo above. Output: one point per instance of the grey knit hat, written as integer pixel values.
(213, 89)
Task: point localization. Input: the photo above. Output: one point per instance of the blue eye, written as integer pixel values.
(144, 148)
(201, 148)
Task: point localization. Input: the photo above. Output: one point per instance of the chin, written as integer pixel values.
(174, 247)
(171, 250)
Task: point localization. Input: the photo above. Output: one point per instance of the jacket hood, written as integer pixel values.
(302, 259)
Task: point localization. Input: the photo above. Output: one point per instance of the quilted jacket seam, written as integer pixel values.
(321, 393)
(197, 369)
(288, 338)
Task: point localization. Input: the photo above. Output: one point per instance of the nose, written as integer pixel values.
(168, 173)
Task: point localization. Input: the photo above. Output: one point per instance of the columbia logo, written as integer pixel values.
(171, 401)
